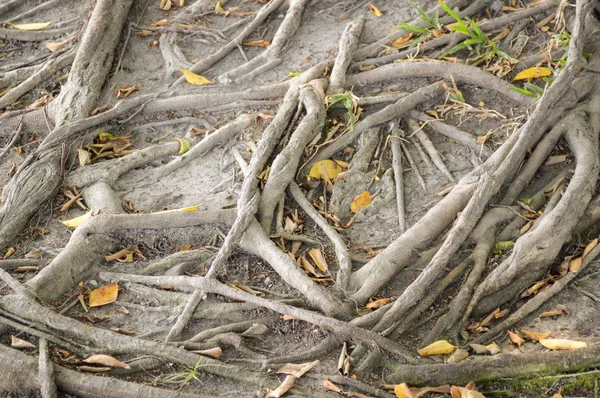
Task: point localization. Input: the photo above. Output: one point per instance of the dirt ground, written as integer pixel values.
(214, 181)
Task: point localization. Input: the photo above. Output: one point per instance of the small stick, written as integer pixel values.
(421, 152)
(398, 177)
(430, 148)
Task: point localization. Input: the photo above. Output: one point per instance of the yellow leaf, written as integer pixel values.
(402, 391)
(317, 257)
(562, 344)
(462, 392)
(9, 252)
(536, 336)
(402, 42)
(184, 145)
(375, 11)
(362, 200)
(77, 221)
(439, 347)
(191, 208)
(590, 246)
(107, 360)
(194, 79)
(104, 295)
(325, 169)
(53, 47)
(533, 73)
(575, 264)
(84, 157)
(31, 26)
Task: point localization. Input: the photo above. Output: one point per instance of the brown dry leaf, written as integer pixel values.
(126, 91)
(82, 302)
(536, 336)
(122, 310)
(562, 344)
(362, 200)
(126, 332)
(463, 392)
(143, 33)
(19, 343)
(493, 348)
(9, 252)
(290, 226)
(515, 338)
(326, 384)
(377, 303)
(257, 43)
(165, 5)
(439, 347)
(95, 369)
(590, 246)
(53, 47)
(104, 295)
(500, 314)
(185, 247)
(286, 317)
(162, 22)
(479, 349)
(575, 264)
(244, 288)
(458, 356)
(297, 370)
(307, 266)
(402, 42)
(317, 257)
(535, 289)
(551, 313)
(211, 352)
(283, 388)
(106, 360)
(375, 11)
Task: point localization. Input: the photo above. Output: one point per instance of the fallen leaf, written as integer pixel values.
(106, 360)
(283, 387)
(143, 33)
(184, 146)
(375, 11)
(556, 159)
(286, 317)
(458, 356)
(575, 264)
(403, 391)
(104, 295)
(19, 343)
(297, 370)
(325, 169)
(84, 157)
(562, 344)
(402, 42)
(479, 349)
(211, 352)
(77, 221)
(377, 303)
(462, 392)
(558, 394)
(590, 246)
(257, 43)
(515, 338)
(53, 47)
(31, 26)
(533, 73)
(551, 313)
(317, 257)
(122, 310)
(362, 200)
(82, 302)
(126, 91)
(123, 331)
(95, 369)
(326, 384)
(35, 254)
(439, 347)
(9, 252)
(193, 78)
(536, 336)
(493, 348)
(185, 247)
(162, 22)
(165, 5)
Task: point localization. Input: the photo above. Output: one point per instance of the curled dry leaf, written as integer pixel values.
(53, 47)
(211, 352)
(536, 336)
(317, 257)
(362, 200)
(375, 11)
(463, 392)
(440, 347)
(326, 384)
(19, 343)
(162, 22)
(590, 246)
(257, 43)
(104, 295)
(95, 369)
(562, 344)
(9, 252)
(184, 146)
(106, 360)
(193, 78)
(552, 312)
(283, 387)
(377, 303)
(126, 91)
(515, 338)
(165, 5)
(84, 157)
(297, 370)
(77, 221)
(458, 356)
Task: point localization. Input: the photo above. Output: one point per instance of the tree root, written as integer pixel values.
(398, 175)
(430, 148)
(347, 47)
